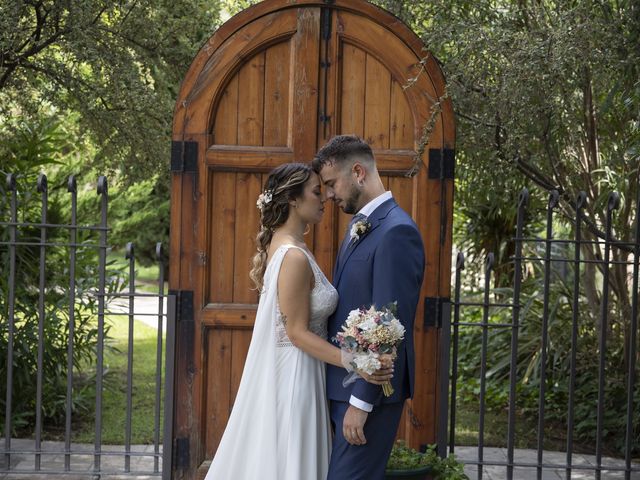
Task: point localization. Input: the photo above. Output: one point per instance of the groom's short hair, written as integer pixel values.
(340, 150)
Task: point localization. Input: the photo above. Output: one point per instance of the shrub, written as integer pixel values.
(27, 148)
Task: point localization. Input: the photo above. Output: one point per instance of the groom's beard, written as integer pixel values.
(352, 201)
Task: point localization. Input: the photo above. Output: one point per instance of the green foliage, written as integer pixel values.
(558, 366)
(118, 65)
(140, 214)
(31, 146)
(545, 93)
(105, 75)
(405, 458)
(232, 7)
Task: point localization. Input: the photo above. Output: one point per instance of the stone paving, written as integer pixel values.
(53, 460)
(142, 467)
(531, 456)
(145, 309)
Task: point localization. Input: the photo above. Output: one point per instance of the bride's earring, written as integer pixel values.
(307, 230)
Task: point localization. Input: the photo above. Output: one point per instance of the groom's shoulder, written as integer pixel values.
(399, 217)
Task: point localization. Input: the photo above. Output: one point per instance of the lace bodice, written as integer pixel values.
(324, 299)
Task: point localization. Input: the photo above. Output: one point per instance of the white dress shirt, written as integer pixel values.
(367, 210)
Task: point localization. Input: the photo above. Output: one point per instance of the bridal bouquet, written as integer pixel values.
(367, 334)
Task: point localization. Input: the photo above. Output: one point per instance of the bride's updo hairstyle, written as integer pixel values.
(284, 183)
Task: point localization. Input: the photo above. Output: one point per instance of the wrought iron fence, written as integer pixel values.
(35, 456)
(492, 313)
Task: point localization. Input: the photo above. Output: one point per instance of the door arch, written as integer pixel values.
(272, 85)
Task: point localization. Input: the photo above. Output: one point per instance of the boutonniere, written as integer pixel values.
(359, 229)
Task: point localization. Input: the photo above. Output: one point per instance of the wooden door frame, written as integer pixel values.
(191, 137)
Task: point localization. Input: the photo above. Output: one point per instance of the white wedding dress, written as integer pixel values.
(279, 426)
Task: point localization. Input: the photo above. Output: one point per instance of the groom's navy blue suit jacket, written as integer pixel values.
(385, 265)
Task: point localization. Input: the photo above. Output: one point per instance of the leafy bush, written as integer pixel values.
(26, 149)
(558, 368)
(405, 458)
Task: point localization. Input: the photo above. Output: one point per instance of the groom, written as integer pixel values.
(380, 261)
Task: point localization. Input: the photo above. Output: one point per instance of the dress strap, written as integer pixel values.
(278, 256)
(284, 248)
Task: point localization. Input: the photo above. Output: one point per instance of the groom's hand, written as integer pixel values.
(353, 425)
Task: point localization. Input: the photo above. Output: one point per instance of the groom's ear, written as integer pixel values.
(358, 171)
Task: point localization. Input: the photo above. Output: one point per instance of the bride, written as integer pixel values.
(279, 427)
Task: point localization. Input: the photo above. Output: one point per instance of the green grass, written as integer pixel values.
(114, 396)
(495, 430)
(146, 276)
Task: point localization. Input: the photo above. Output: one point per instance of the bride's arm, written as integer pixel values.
(294, 296)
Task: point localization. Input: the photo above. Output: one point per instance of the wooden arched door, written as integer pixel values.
(272, 85)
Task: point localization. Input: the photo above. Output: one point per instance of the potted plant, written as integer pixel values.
(405, 463)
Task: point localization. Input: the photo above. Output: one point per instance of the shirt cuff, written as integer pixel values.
(361, 404)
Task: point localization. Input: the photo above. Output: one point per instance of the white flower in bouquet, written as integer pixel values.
(353, 318)
(396, 329)
(367, 363)
(368, 324)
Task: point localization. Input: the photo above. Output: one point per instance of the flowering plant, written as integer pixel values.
(264, 199)
(367, 334)
(358, 229)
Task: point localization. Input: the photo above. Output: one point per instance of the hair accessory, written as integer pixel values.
(264, 199)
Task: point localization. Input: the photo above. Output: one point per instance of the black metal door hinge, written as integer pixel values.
(184, 305)
(182, 452)
(185, 331)
(326, 23)
(184, 157)
(441, 163)
(436, 310)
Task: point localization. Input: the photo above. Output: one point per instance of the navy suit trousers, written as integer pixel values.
(368, 461)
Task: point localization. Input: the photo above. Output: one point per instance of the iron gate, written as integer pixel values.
(500, 311)
(19, 243)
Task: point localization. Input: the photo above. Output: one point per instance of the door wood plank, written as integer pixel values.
(251, 101)
(304, 77)
(226, 121)
(222, 208)
(246, 225)
(352, 98)
(377, 104)
(401, 133)
(218, 379)
(276, 94)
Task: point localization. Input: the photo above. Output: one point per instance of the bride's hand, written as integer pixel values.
(380, 376)
(386, 359)
(384, 374)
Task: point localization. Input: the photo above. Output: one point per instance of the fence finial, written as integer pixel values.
(489, 262)
(554, 198)
(614, 201)
(42, 183)
(129, 254)
(11, 181)
(102, 185)
(460, 261)
(159, 252)
(523, 199)
(581, 199)
(72, 185)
